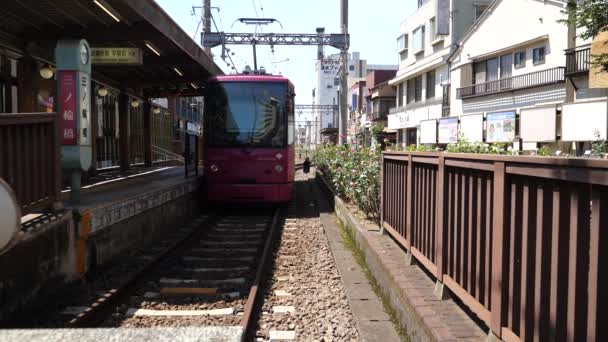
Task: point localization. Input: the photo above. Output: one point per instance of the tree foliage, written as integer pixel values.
(591, 17)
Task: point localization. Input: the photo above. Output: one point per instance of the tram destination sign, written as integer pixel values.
(116, 56)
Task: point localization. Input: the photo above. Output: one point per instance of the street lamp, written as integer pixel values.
(103, 91)
(46, 72)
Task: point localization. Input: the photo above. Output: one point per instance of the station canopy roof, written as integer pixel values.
(35, 26)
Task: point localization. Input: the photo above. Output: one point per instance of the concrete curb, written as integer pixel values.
(407, 287)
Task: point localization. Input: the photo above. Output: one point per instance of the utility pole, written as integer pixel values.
(344, 88)
(207, 22)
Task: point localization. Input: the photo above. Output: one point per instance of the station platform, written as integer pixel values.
(114, 217)
(211, 334)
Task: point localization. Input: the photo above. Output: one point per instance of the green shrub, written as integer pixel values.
(354, 172)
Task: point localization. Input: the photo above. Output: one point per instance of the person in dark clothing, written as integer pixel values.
(307, 165)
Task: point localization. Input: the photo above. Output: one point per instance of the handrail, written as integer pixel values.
(530, 80)
(169, 154)
(30, 158)
(577, 61)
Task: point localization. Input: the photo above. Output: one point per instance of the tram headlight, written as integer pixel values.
(278, 168)
(214, 168)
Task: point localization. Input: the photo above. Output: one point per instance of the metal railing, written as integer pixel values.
(30, 158)
(530, 80)
(519, 240)
(577, 61)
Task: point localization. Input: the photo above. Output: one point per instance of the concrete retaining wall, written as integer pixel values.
(133, 223)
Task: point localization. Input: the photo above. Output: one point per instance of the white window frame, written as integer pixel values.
(544, 56)
(422, 39)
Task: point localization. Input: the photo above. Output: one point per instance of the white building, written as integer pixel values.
(509, 82)
(427, 39)
(327, 86)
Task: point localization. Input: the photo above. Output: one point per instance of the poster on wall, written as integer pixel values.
(448, 130)
(538, 124)
(471, 127)
(428, 132)
(500, 127)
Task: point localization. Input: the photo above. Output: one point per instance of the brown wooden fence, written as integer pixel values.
(522, 241)
(30, 158)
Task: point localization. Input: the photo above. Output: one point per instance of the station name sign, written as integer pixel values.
(116, 56)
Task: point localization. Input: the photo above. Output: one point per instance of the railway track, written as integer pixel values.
(208, 276)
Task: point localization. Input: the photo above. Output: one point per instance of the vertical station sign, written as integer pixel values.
(67, 107)
(73, 58)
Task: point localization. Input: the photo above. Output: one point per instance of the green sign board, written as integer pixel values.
(116, 55)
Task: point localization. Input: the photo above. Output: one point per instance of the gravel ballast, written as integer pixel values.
(305, 278)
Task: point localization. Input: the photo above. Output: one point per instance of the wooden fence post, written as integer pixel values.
(440, 224)
(410, 209)
(499, 239)
(382, 181)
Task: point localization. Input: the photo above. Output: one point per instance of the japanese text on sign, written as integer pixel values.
(116, 56)
(67, 106)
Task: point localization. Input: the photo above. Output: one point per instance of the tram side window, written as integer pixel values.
(291, 129)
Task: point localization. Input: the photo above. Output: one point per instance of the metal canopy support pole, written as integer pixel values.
(147, 133)
(344, 86)
(123, 128)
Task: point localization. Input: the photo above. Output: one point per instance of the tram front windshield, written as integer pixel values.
(247, 114)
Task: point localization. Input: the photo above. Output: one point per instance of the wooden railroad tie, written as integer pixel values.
(188, 291)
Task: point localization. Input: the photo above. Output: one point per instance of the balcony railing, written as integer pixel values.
(577, 61)
(379, 115)
(531, 80)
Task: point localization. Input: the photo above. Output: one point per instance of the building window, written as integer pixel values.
(479, 10)
(403, 42)
(418, 39)
(403, 55)
(336, 81)
(519, 59)
(432, 29)
(411, 86)
(538, 55)
(430, 84)
(351, 68)
(418, 85)
(400, 96)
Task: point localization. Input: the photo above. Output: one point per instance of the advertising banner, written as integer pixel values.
(448, 130)
(500, 127)
(67, 107)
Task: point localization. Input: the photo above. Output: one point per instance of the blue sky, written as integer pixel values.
(374, 27)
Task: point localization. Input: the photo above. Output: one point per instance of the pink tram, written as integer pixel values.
(249, 130)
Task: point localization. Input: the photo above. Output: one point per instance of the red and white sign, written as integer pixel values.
(67, 107)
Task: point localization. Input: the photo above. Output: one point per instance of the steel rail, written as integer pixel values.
(254, 294)
(96, 312)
